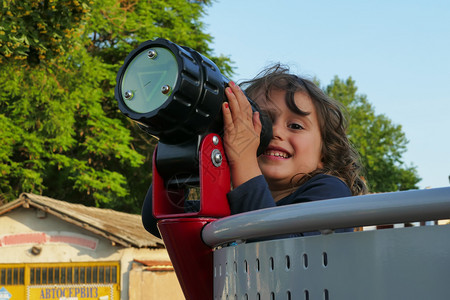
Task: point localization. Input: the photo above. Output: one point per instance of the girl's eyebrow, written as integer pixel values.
(302, 113)
(305, 117)
(294, 108)
(273, 113)
(290, 103)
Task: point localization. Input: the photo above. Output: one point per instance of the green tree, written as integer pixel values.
(380, 143)
(120, 26)
(61, 132)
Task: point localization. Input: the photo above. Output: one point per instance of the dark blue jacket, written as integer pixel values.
(255, 194)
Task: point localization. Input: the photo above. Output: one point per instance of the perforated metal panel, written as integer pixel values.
(402, 263)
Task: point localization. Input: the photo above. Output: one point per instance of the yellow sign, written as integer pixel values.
(71, 292)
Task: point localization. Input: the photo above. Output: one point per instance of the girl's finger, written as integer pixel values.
(257, 123)
(245, 109)
(227, 118)
(233, 102)
(244, 105)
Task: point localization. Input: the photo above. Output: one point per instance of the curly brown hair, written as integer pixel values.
(339, 158)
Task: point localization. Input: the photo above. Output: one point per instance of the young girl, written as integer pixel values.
(309, 157)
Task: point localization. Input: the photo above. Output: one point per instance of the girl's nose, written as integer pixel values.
(277, 131)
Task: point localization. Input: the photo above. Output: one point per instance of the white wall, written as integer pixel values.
(29, 221)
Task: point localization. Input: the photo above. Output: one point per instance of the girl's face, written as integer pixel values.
(295, 148)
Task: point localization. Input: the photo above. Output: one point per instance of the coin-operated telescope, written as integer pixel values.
(175, 94)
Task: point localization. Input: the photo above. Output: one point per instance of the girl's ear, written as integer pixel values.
(320, 164)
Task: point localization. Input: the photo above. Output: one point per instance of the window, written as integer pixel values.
(89, 274)
(12, 276)
(62, 275)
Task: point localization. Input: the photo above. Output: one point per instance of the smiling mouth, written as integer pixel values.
(276, 154)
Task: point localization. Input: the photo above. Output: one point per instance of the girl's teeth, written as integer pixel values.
(278, 154)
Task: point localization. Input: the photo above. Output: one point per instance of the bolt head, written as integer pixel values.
(216, 157)
(152, 54)
(128, 95)
(165, 89)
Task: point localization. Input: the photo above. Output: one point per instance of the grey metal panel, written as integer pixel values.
(402, 263)
(375, 209)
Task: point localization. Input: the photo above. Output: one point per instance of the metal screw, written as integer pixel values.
(165, 89)
(128, 95)
(215, 140)
(216, 157)
(152, 54)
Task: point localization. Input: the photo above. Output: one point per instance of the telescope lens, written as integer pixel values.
(149, 79)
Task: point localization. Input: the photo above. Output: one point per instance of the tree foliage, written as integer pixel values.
(380, 143)
(37, 30)
(61, 132)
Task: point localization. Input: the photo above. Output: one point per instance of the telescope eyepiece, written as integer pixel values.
(175, 93)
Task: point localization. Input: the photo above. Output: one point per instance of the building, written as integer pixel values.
(51, 249)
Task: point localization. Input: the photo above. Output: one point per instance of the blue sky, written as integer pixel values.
(398, 52)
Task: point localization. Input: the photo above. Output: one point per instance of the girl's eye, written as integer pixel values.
(295, 126)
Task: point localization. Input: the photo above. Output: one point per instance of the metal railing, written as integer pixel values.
(373, 209)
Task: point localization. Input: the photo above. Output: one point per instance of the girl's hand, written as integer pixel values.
(242, 129)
